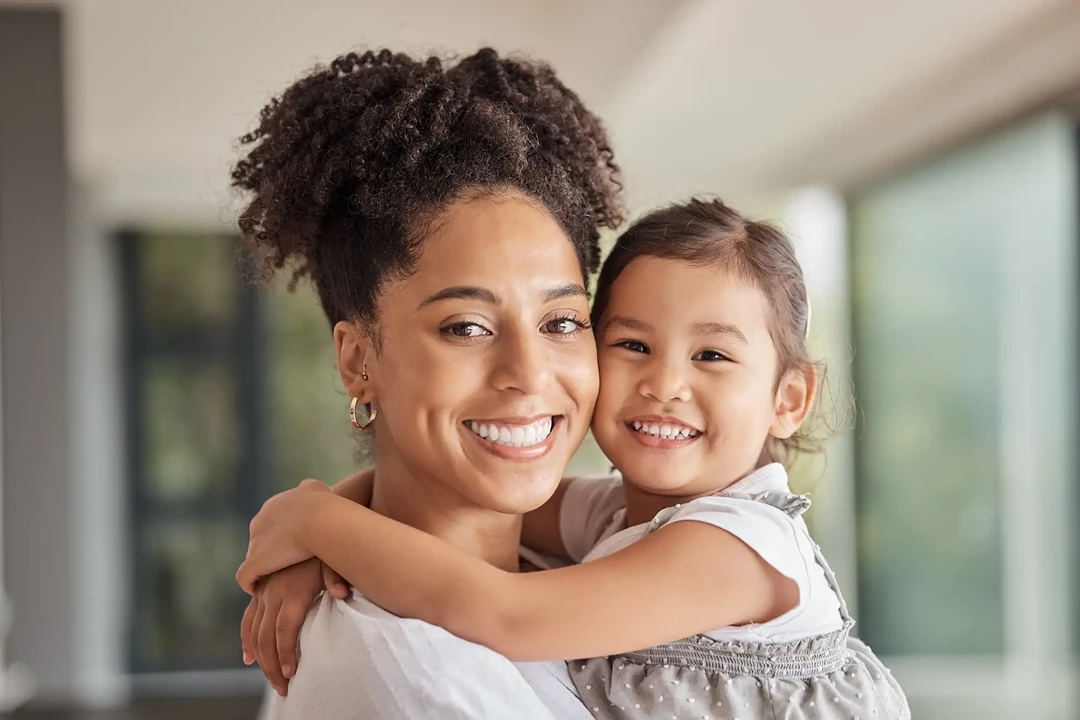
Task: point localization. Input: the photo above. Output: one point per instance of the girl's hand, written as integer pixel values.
(271, 625)
(275, 533)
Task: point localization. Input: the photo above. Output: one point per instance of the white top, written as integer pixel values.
(592, 523)
(358, 661)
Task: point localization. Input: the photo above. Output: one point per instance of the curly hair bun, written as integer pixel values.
(347, 165)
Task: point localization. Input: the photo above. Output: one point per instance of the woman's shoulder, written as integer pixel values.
(356, 657)
(333, 620)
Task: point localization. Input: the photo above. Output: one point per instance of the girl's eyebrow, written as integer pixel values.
(712, 328)
(623, 322)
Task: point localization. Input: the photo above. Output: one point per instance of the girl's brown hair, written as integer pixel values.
(709, 233)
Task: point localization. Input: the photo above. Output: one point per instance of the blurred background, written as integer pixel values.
(923, 155)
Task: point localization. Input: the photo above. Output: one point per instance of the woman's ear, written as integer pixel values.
(356, 360)
(794, 400)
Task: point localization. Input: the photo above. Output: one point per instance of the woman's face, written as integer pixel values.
(486, 374)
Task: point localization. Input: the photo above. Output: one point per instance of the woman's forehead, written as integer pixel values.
(489, 240)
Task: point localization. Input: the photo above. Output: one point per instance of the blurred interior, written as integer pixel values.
(923, 155)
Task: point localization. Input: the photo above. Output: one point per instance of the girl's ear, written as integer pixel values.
(794, 400)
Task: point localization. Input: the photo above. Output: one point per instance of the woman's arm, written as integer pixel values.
(684, 579)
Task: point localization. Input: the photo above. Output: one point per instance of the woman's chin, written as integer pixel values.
(514, 480)
(516, 491)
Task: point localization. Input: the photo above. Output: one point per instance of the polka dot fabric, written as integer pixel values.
(830, 677)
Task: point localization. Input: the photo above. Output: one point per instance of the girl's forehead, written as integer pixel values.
(653, 277)
(680, 297)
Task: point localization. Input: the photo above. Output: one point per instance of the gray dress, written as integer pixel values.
(829, 677)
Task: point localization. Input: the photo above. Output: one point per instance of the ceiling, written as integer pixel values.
(745, 98)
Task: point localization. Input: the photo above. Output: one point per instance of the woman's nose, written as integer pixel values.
(523, 364)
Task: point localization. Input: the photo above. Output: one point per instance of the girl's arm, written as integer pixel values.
(540, 527)
(685, 579)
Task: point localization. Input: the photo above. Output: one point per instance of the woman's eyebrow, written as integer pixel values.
(461, 292)
(564, 291)
(471, 292)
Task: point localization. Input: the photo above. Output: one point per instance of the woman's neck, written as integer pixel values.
(428, 504)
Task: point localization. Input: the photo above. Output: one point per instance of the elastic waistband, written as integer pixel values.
(800, 659)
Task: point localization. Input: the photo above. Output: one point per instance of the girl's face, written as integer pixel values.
(688, 391)
(485, 377)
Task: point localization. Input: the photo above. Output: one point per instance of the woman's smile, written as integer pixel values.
(515, 438)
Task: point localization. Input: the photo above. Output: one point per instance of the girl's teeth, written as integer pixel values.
(667, 432)
(516, 435)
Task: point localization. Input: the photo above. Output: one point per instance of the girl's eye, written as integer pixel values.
(633, 346)
(568, 325)
(710, 356)
(465, 330)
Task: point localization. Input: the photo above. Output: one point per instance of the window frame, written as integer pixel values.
(237, 347)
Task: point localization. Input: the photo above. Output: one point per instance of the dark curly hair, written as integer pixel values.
(350, 166)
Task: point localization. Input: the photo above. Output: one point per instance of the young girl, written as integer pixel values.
(698, 592)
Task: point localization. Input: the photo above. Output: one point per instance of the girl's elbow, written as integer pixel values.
(504, 631)
(497, 618)
(518, 636)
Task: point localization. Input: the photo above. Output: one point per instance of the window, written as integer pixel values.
(964, 283)
(232, 394)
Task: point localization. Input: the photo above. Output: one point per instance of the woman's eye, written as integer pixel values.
(710, 356)
(633, 346)
(465, 330)
(564, 326)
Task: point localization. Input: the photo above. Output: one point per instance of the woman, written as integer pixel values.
(448, 216)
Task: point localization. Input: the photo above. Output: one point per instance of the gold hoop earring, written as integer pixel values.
(352, 415)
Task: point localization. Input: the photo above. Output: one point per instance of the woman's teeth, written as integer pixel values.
(664, 430)
(513, 435)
